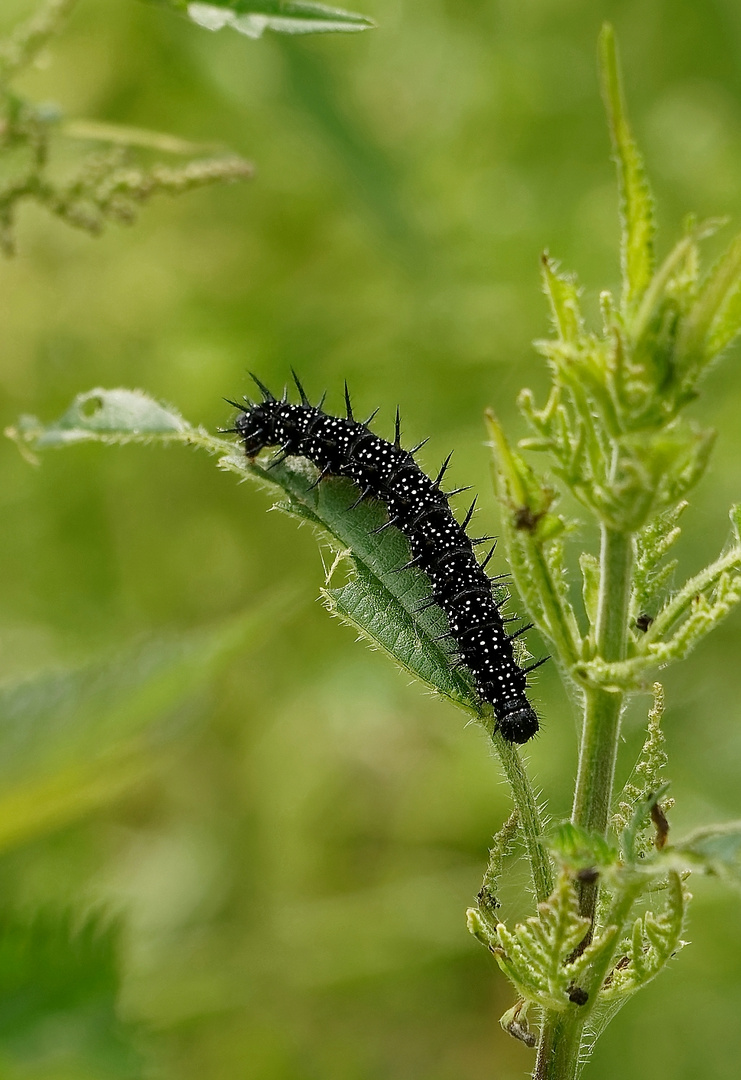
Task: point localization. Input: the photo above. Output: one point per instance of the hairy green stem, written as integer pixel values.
(558, 1051)
(530, 820)
(598, 749)
(599, 742)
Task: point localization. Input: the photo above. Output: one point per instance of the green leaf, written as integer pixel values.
(385, 617)
(498, 853)
(654, 469)
(579, 849)
(110, 416)
(71, 740)
(714, 850)
(653, 542)
(633, 840)
(59, 984)
(637, 209)
(714, 320)
(689, 616)
(642, 787)
(253, 17)
(531, 530)
(379, 602)
(537, 955)
(589, 566)
(563, 294)
(697, 607)
(655, 939)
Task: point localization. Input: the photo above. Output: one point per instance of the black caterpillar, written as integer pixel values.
(417, 506)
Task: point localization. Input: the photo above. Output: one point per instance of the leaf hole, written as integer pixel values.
(91, 406)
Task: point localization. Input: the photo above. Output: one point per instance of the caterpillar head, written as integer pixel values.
(517, 721)
(256, 427)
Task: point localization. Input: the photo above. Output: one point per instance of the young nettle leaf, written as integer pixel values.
(644, 783)
(365, 605)
(531, 531)
(564, 295)
(650, 577)
(501, 848)
(637, 206)
(712, 322)
(648, 809)
(725, 326)
(537, 955)
(650, 386)
(655, 469)
(589, 566)
(654, 940)
(695, 609)
(579, 849)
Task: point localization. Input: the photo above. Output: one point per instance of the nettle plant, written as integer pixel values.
(610, 883)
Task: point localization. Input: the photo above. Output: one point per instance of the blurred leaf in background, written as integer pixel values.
(59, 982)
(253, 17)
(75, 739)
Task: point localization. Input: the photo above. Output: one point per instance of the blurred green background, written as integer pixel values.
(292, 854)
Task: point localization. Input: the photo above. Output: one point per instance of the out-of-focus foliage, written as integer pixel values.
(76, 738)
(293, 879)
(107, 183)
(59, 985)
